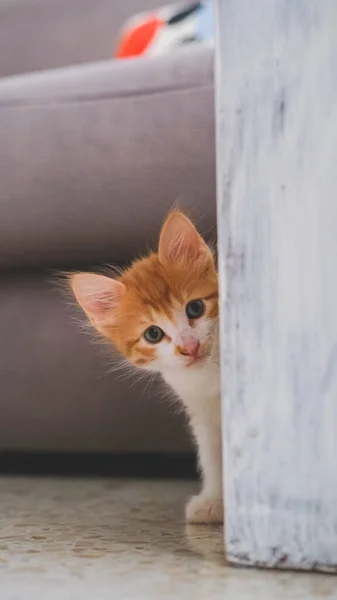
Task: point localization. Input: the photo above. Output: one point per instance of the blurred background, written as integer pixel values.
(46, 34)
(106, 121)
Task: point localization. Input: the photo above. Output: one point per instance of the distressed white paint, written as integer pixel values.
(277, 211)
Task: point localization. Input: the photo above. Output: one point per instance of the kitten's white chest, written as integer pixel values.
(199, 389)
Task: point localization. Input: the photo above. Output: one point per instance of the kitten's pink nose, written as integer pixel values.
(190, 347)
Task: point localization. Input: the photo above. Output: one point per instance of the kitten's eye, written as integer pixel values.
(153, 334)
(195, 309)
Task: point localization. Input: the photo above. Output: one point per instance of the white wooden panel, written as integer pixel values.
(277, 212)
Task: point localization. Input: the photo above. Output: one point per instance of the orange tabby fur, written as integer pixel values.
(156, 289)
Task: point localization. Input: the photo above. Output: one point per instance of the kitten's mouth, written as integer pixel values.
(196, 361)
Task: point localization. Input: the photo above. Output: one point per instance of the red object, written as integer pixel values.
(135, 42)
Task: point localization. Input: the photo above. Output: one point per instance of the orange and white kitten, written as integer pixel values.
(161, 314)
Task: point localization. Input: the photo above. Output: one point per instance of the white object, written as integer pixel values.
(277, 218)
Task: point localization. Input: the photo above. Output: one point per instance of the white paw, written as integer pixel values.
(204, 509)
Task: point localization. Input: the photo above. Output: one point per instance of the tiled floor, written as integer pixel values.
(75, 539)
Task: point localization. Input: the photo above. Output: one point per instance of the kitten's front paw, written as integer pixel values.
(204, 509)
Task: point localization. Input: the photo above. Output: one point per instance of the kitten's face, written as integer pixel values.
(162, 313)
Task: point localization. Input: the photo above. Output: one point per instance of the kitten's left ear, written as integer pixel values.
(98, 296)
(180, 241)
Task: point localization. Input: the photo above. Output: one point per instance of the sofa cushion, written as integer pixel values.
(92, 157)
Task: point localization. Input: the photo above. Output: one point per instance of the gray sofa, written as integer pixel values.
(91, 159)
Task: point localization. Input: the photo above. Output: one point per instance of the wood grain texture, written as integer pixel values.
(277, 214)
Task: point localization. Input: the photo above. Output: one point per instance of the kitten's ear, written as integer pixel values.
(98, 296)
(179, 240)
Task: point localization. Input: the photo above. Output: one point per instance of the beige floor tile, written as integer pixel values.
(76, 539)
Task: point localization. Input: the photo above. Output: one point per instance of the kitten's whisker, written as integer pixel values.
(148, 385)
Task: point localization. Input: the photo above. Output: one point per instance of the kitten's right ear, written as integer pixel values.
(180, 241)
(98, 296)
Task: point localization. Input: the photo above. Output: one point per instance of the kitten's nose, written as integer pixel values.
(190, 347)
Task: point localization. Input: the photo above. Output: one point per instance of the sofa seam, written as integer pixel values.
(81, 99)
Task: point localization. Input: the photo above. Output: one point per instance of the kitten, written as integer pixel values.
(162, 315)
